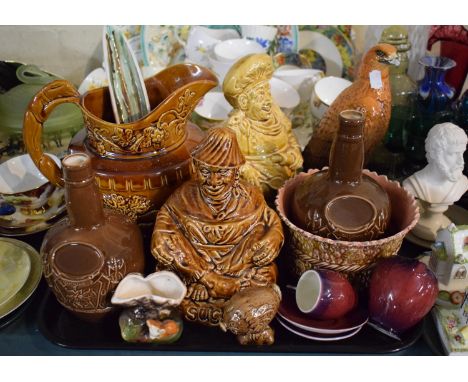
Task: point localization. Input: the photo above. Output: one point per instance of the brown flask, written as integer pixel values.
(87, 254)
(341, 202)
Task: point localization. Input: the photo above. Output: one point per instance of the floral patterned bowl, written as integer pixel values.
(310, 251)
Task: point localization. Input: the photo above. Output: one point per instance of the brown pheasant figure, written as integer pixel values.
(370, 93)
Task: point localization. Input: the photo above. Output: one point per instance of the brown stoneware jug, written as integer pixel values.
(341, 202)
(86, 254)
(138, 164)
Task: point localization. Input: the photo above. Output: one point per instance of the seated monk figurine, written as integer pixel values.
(263, 131)
(216, 231)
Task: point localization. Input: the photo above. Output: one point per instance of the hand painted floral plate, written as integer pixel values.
(340, 37)
(29, 220)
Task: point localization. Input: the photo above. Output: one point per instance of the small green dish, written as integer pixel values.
(32, 281)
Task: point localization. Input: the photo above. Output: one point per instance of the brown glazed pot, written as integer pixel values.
(341, 202)
(309, 251)
(138, 164)
(86, 254)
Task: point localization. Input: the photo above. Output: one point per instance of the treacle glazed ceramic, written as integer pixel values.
(217, 232)
(310, 251)
(341, 202)
(86, 254)
(139, 164)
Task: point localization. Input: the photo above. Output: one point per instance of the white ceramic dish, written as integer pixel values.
(296, 76)
(201, 41)
(284, 94)
(316, 336)
(262, 34)
(219, 67)
(20, 175)
(326, 48)
(213, 106)
(325, 92)
(232, 50)
(94, 80)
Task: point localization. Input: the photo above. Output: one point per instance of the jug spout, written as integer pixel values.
(173, 94)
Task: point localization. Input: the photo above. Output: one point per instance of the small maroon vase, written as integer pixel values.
(325, 295)
(401, 292)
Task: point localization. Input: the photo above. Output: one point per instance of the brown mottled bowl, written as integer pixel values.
(310, 251)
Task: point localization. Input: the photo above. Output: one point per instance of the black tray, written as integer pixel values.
(64, 329)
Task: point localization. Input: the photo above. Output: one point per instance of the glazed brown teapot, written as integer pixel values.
(138, 164)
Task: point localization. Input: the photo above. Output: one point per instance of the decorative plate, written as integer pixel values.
(316, 336)
(290, 313)
(32, 281)
(315, 59)
(341, 37)
(14, 270)
(22, 220)
(287, 39)
(163, 45)
(126, 86)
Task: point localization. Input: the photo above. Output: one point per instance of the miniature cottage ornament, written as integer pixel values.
(449, 261)
(151, 315)
(216, 231)
(263, 131)
(441, 183)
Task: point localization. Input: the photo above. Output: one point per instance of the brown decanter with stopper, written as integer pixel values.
(342, 202)
(87, 254)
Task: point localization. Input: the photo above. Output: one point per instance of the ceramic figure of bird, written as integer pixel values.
(370, 93)
(249, 312)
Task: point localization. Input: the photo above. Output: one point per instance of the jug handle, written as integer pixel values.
(39, 109)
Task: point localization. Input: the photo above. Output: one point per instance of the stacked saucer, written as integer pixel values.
(20, 273)
(292, 319)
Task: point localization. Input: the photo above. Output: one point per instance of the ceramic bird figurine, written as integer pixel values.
(371, 94)
(249, 312)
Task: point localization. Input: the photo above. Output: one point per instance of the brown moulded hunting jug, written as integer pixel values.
(341, 202)
(137, 164)
(86, 254)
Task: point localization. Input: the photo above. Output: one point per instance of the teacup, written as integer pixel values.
(284, 95)
(325, 295)
(212, 110)
(262, 34)
(303, 80)
(325, 92)
(201, 41)
(232, 50)
(22, 185)
(219, 67)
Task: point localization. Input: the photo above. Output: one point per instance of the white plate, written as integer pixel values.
(317, 337)
(321, 330)
(326, 48)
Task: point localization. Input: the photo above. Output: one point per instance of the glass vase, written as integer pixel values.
(433, 106)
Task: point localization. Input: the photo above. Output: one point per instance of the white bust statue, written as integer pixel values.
(441, 183)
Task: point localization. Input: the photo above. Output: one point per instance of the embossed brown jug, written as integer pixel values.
(87, 254)
(138, 164)
(341, 202)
